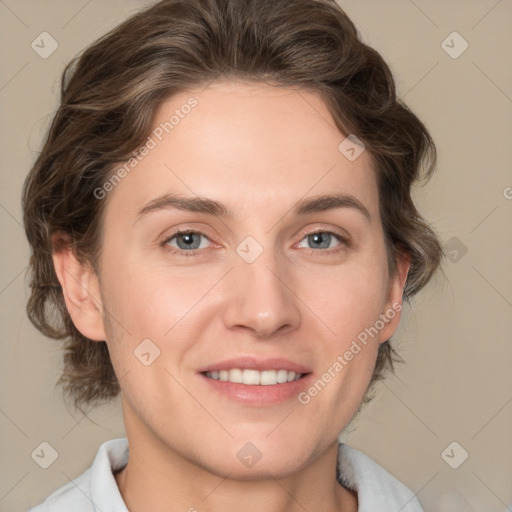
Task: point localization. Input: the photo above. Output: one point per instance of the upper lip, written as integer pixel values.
(251, 363)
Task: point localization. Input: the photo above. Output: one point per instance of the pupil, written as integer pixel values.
(188, 240)
(319, 239)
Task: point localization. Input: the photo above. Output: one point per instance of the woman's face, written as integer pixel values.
(269, 281)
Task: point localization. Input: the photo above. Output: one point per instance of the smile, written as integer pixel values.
(252, 377)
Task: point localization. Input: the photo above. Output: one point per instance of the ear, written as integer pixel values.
(392, 310)
(81, 290)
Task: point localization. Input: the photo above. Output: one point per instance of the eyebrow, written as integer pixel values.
(306, 206)
(330, 202)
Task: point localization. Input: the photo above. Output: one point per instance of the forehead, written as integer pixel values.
(234, 140)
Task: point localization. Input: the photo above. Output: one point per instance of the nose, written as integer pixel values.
(260, 297)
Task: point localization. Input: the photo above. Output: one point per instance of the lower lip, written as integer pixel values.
(258, 395)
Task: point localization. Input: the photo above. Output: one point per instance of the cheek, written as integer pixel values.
(347, 299)
(168, 309)
(151, 301)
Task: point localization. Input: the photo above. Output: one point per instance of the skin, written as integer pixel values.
(258, 150)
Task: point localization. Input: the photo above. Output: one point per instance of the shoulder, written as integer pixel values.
(72, 496)
(93, 488)
(376, 488)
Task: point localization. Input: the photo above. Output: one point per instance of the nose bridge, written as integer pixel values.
(259, 296)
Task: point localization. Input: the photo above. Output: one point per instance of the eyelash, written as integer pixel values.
(197, 252)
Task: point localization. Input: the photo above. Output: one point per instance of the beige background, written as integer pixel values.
(456, 384)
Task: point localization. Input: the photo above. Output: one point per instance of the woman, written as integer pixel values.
(221, 218)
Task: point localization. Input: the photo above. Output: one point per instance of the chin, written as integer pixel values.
(274, 466)
(244, 459)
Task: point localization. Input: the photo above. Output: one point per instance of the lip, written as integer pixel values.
(258, 395)
(251, 363)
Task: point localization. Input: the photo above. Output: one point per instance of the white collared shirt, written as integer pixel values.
(96, 489)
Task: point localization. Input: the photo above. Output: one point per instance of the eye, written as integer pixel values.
(322, 240)
(190, 243)
(186, 241)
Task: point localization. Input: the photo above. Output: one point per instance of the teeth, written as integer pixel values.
(282, 376)
(268, 378)
(251, 377)
(235, 375)
(254, 377)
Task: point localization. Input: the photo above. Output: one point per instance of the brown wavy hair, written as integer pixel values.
(109, 97)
